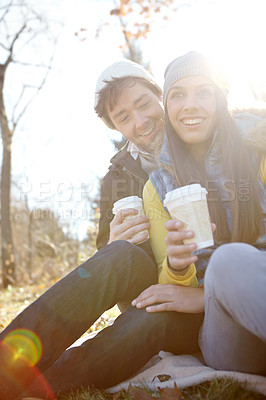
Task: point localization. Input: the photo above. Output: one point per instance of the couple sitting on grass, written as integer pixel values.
(210, 300)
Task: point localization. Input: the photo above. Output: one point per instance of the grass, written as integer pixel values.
(217, 389)
(14, 299)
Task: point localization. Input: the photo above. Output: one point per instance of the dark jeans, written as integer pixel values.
(62, 314)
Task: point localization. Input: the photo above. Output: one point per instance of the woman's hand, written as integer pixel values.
(124, 228)
(171, 298)
(178, 253)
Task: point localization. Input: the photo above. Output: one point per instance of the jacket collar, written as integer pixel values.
(124, 160)
(119, 157)
(245, 122)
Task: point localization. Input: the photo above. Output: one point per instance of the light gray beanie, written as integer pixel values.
(121, 69)
(192, 63)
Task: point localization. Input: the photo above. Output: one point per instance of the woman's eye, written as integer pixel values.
(177, 95)
(205, 92)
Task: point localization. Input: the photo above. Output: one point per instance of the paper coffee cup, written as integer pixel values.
(189, 205)
(131, 202)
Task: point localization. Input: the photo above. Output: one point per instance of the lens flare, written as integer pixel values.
(25, 345)
(83, 273)
(20, 352)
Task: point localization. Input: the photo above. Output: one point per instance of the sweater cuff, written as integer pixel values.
(168, 277)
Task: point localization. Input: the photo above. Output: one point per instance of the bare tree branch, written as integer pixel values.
(3, 46)
(11, 48)
(7, 8)
(24, 64)
(38, 89)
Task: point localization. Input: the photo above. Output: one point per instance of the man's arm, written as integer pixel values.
(106, 215)
(116, 185)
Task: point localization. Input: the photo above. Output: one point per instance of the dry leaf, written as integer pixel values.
(118, 395)
(171, 393)
(139, 393)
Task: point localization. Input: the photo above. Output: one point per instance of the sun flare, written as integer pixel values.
(233, 33)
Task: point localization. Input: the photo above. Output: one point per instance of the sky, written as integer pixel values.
(61, 148)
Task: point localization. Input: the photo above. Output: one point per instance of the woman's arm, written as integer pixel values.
(163, 237)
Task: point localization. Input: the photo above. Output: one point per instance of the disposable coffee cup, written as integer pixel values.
(131, 202)
(189, 205)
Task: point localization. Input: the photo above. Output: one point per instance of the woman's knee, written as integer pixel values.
(228, 263)
(227, 259)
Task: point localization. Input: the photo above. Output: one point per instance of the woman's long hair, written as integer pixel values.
(236, 165)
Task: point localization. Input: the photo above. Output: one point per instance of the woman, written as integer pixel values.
(226, 154)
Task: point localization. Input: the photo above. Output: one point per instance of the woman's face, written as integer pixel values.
(191, 106)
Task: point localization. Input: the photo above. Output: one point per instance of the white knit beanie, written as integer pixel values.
(193, 63)
(121, 69)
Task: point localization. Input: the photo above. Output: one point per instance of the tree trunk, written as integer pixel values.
(8, 259)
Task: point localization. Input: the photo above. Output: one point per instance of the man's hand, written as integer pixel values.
(171, 298)
(124, 228)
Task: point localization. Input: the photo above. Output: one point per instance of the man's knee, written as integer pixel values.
(125, 256)
(121, 249)
(138, 256)
(125, 247)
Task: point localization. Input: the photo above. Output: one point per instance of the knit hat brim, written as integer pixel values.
(121, 69)
(190, 64)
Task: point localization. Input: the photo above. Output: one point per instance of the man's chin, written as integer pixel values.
(152, 148)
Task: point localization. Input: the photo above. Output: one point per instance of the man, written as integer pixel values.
(129, 100)
(35, 358)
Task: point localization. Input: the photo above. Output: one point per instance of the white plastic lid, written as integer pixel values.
(185, 193)
(126, 202)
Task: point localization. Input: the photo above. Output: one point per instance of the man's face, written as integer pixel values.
(138, 115)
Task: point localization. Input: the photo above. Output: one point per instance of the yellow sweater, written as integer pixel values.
(158, 216)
